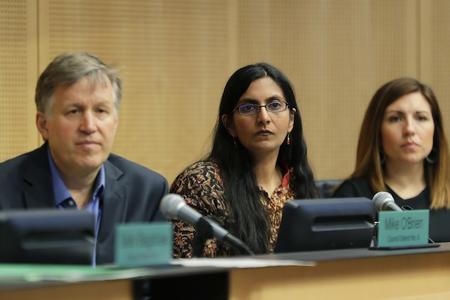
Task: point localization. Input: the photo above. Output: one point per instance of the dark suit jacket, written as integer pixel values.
(132, 193)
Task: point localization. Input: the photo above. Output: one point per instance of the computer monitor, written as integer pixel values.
(319, 224)
(51, 236)
(440, 225)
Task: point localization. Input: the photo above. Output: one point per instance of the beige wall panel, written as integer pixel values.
(336, 54)
(173, 57)
(18, 61)
(435, 59)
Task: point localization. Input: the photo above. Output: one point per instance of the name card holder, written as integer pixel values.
(403, 230)
(143, 244)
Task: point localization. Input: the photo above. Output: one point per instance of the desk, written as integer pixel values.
(338, 274)
(83, 282)
(103, 290)
(380, 275)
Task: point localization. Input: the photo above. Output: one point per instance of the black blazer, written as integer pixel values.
(132, 193)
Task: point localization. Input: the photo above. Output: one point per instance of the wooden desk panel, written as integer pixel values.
(101, 290)
(425, 276)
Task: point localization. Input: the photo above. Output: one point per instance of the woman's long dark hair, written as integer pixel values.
(249, 219)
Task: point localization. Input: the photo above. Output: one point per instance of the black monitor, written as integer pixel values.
(319, 224)
(440, 225)
(51, 236)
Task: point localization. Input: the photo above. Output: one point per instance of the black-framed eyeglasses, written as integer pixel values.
(250, 109)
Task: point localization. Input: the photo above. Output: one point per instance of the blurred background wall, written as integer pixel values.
(176, 55)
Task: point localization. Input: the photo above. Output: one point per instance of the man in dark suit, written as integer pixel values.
(77, 99)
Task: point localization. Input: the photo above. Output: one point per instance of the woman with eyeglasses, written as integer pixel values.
(258, 161)
(402, 148)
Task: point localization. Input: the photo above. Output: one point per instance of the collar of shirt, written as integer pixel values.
(284, 185)
(286, 178)
(61, 192)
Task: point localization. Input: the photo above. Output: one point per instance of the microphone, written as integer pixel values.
(173, 206)
(385, 201)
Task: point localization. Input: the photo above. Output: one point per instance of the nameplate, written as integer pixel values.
(143, 244)
(403, 228)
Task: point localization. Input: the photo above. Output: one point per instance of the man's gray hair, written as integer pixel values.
(66, 69)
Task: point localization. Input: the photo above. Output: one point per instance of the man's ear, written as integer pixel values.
(228, 124)
(41, 125)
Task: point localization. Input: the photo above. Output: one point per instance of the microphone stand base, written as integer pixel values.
(431, 245)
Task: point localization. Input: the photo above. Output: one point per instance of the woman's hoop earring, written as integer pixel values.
(432, 157)
(382, 158)
(288, 139)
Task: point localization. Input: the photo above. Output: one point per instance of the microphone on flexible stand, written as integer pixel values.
(385, 201)
(173, 206)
